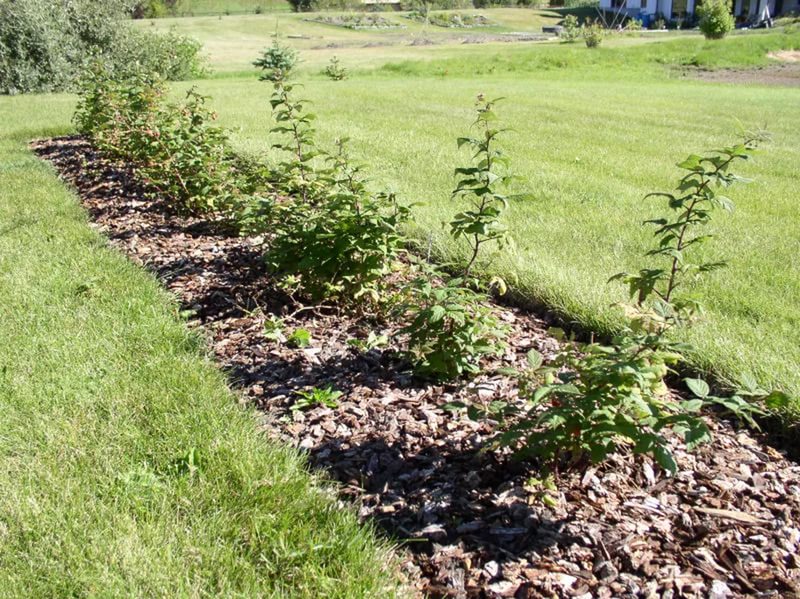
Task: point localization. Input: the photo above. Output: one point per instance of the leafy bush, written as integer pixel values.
(342, 244)
(276, 62)
(331, 238)
(596, 398)
(716, 20)
(45, 45)
(335, 71)
(480, 224)
(571, 29)
(174, 147)
(450, 327)
(154, 9)
(592, 34)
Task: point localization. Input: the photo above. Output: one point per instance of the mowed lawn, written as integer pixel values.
(233, 42)
(589, 140)
(127, 468)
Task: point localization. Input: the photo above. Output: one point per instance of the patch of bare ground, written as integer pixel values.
(471, 522)
(787, 74)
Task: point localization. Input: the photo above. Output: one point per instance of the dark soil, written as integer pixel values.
(778, 74)
(470, 523)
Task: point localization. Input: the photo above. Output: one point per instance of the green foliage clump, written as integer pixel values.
(478, 183)
(276, 62)
(571, 29)
(335, 71)
(593, 34)
(450, 327)
(340, 245)
(45, 45)
(176, 148)
(715, 19)
(332, 237)
(597, 398)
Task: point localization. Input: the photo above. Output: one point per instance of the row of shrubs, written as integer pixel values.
(330, 239)
(46, 44)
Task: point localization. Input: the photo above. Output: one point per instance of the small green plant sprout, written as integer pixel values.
(593, 34)
(274, 329)
(335, 71)
(543, 490)
(373, 341)
(571, 30)
(299, 338)
(276, 62)
(327, 397)
(697, 197)
(479, 183)
(449, 328)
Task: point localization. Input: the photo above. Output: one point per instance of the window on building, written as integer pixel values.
(678, 9)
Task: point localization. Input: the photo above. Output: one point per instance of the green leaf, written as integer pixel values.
(698, 386)
(664, 459)
(535, 359)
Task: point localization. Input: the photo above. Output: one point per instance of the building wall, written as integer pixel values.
(653, 7)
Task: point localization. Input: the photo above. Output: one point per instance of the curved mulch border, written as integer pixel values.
(472, 523)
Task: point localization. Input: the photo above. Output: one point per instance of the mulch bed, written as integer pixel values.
(470, 523)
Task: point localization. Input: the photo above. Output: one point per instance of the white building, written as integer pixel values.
(743, 10)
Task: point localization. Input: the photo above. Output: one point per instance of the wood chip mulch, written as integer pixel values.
(470, 523)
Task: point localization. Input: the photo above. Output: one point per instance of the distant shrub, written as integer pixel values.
(154, 9)
(276, 62)
(571, 29)
(592, 34)
(46, 44)
(303, 5)
(716, 20)
(633, 25)
(335, 71)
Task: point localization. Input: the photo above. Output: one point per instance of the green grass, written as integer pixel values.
(103, 391)
(589, 140)
(190, 8)
(233, 42)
